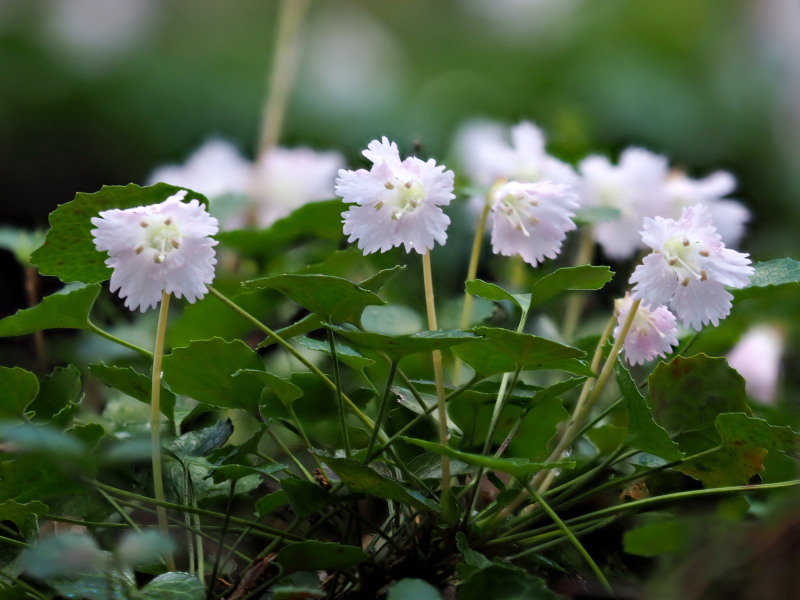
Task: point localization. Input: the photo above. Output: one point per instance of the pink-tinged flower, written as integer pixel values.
(285, 179)
(689, 268)
(215, 169)
(531, 219)
(634, 187)
(159, 248)
(487, 155)
(652, 333)
(397, 201)
(729, 216)
(757, 357)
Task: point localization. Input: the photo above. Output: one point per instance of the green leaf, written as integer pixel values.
(57, 311)
(349, 356)
(21, 242)
(472, 412)
(10, 510)
(363, 479)
(312, 555)
(584, 277)
(285, 390)
(294, 592)
(174, 585)
(689, 393)
(483, 358)
(780, 271)
(471, 557)
(271, 502)
(643, 432)
(500, 582)
(662, 534)
(59, 392)
(313, 322)
(416, 589)
(132, 383)
(398, 346)
(19, 388)
(204, 371)
(314, 220)
(739, 429)
(531, 352)
(518, 467)
(200, 443)
(333, 298)
(69, 252)
(490, 291)
(305, 497)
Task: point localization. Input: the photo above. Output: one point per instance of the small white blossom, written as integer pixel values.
(159, 248)
(634, 187)
(757, 357)
(689, 268)
(285, 179)
(653, 331)
(397, 201)
(729, 216)
(488, 155)
(531, 219)
(215, 169)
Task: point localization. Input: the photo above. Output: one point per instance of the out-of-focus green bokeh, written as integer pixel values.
(101, 91)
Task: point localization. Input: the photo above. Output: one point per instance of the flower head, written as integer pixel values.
(634, 187)
(531, 219)
(652, 333)
(215, 169)
(729, 216)
(689, 268)
(488, 156)
(159, 248)
(285, 179)
(397, 201)
(757, 357)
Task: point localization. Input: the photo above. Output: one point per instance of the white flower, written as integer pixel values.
(634, 187)
(397, 202)
(531, 219)
(285, 179)
(689, 268)
(757, 357)
(159, 248)
(652, 333)
(488, 156)
(729, 216)
(215, 169)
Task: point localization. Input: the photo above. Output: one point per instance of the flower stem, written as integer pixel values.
(283, 71)
(571, 536)
(472, 272)
(155, 422)
(102, 333)
(437, 373)
(381, 411)
(339, 403)
(576, 301)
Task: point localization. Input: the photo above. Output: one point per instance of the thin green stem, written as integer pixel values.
(576, 301)
(282, 445)
(13, 542)
(263, 529)
(222, 534)
(339, 403)
(437, 374)
(472, 272)
(381, 410)
(125, 516)
(155, 421)
(103, 333)
(97, 524)
(571, 536)
(578, 533)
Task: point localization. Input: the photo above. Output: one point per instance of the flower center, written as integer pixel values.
(516, 208)
(403, 196)
(683, 256)
(161, 234)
